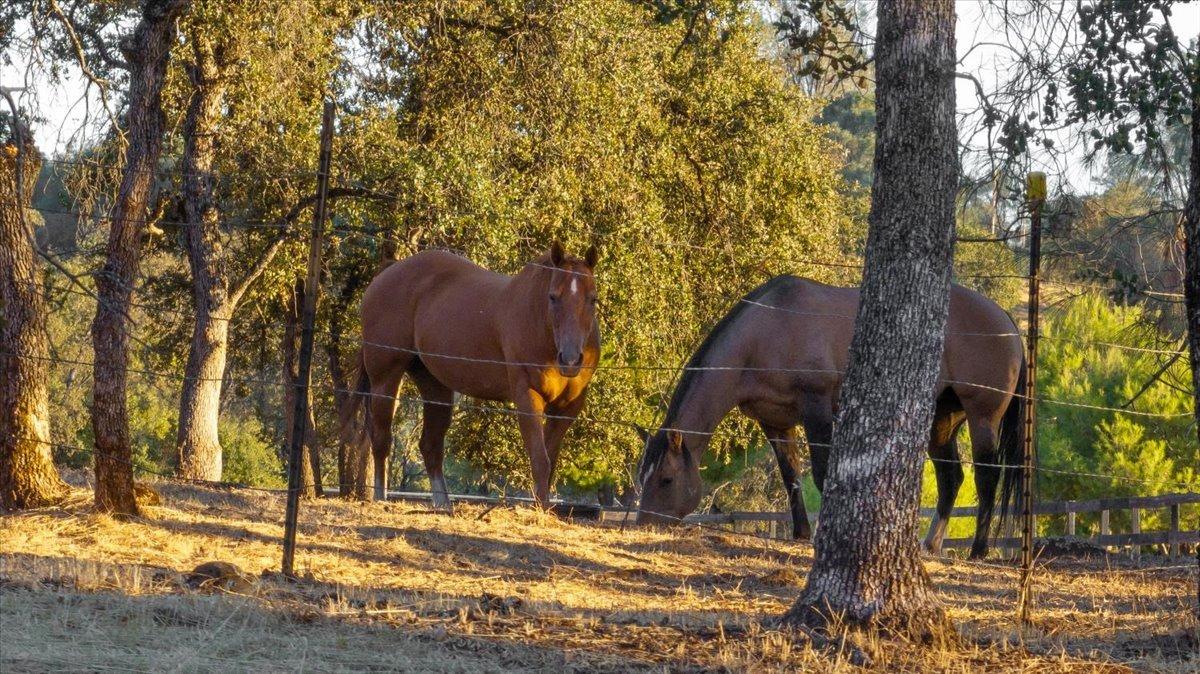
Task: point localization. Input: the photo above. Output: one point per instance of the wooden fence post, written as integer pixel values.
(1135, 526)
(1071, 523)
(311, 287)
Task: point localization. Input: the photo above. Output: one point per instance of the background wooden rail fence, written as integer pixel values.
(777, 522)
(1173, 536)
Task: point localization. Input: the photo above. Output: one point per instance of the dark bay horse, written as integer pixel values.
(455, 327)
(778, 355)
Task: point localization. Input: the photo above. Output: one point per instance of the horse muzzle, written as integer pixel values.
(569, 365)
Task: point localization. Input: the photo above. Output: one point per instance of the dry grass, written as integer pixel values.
(395, 587)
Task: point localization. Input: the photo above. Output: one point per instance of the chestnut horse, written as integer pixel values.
(779, 355)
(455, 327)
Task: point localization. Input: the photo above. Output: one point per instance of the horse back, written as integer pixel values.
(807, 325)
(434, 302)
(431, 278)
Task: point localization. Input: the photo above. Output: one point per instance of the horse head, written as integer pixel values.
(571, 308)
(669, 478)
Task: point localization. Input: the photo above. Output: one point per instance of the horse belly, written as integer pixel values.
(459, 366)
(457, 344)
(477, 381)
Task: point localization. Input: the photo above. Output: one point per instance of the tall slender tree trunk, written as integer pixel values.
(310, 467)
(27, 475)
(198, 444)
(147, 53)
(1191, 243)
(867, 569)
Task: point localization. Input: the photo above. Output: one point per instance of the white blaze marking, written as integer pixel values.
(574, 285)
(647, 473)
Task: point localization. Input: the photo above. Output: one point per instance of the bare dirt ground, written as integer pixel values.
(396, 587)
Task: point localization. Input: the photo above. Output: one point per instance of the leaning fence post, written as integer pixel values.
(308, 317)
(1035, 193)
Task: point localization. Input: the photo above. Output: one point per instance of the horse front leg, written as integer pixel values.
(783, 441)
(530, 419)
(817, 418)
(558, 421)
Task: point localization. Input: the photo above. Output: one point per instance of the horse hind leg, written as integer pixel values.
(381, 410)
(435, 421)
(948, 471)
(984, 443)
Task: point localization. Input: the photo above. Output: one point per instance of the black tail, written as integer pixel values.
(351, 429)
(1012, 452)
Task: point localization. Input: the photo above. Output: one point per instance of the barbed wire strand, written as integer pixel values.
(248, 224)
(413, 400)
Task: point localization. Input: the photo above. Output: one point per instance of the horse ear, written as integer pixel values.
(642, 433)
(556, 253)
(591, 257)
(675, 441)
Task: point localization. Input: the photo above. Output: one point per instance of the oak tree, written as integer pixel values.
(867, 568)
(28, 478)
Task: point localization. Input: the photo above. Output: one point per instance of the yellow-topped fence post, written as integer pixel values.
(1035, 193)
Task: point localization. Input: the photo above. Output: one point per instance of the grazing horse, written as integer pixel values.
(779, 355)
(455, 327)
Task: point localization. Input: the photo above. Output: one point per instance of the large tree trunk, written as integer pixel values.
(867, 567)
(27, 475)
(148, 54)
(198, 444)
(310, 457)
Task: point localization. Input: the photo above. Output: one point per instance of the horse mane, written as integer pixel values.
(690, 374)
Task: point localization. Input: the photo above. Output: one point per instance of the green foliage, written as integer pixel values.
(1133, 74)
(692, 162)
(989, 267)
(851, 118)
(248, 457)
(1147, 455)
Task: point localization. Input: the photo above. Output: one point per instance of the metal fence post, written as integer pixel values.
(1036, 196)
(308, 317)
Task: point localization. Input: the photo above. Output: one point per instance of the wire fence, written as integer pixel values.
(276, 224)
(287, 228)
(413, 400)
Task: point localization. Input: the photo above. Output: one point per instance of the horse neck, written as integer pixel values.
(528, 290)
(701, 401)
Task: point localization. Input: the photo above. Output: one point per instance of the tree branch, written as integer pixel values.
(1155, 377)
(285, 222)
(87, 71)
